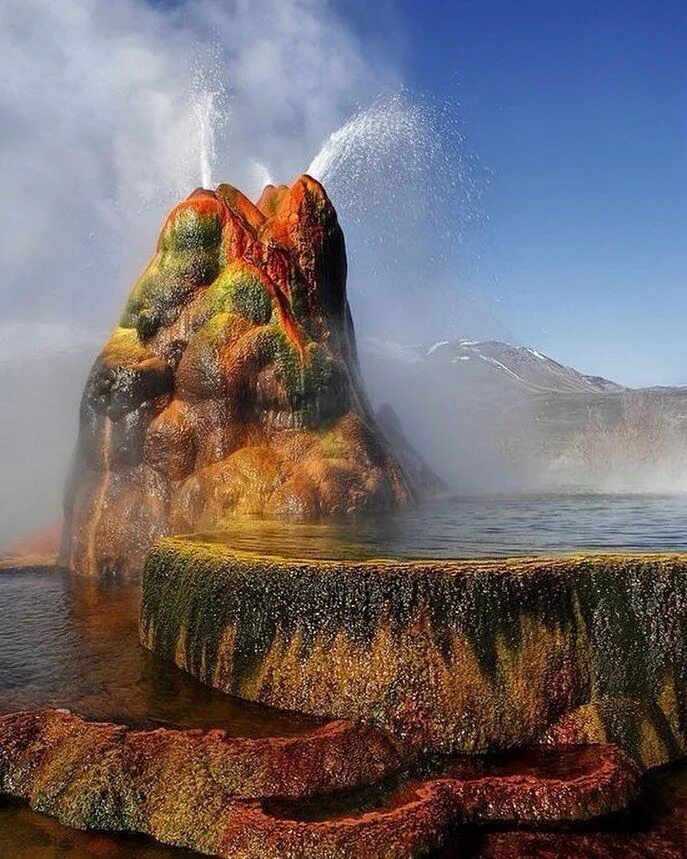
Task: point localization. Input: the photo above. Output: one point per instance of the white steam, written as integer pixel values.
(112, 111)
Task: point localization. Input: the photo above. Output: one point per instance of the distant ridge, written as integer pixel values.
(487, 415)
(496, 361)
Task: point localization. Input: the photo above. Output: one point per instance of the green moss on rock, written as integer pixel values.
(317, 385)
(188, 256)
(468, 656)
(238, 289)
(191, 230)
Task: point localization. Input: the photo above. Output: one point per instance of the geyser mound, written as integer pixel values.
(230, 386)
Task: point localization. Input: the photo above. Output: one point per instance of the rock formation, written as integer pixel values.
(230, 386)
(449, 656)
(251, 799)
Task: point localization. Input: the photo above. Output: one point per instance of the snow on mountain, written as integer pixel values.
(489, 416)
(494, 361)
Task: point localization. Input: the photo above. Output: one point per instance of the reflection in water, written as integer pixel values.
(482, 527)
(70, 641)
(25, 834)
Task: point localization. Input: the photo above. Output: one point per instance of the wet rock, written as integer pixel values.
(233, 376)
(249, 799)
(451, 656)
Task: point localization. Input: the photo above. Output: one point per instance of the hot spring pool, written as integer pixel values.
(69, 641)
(495, 526)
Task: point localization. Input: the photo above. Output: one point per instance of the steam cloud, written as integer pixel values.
(99, 110)
(105, 108)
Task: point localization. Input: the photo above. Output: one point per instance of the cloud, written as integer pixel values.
(103, 108)
(99, 110)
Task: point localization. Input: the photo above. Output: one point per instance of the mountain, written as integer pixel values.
(494, 363)
(487, 415)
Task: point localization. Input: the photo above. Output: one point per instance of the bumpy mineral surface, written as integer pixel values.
(450, 656)
(248, 799)
(230, 386)
(530, 691)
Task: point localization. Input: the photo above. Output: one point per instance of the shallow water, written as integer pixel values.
(483, 527)
(70, 641)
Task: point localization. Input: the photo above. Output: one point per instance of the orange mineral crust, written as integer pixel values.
(248, 799)
(230, 386)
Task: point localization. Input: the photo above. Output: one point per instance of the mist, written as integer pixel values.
(110, 114)
(113, 112)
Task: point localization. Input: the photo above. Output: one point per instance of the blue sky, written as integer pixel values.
(580, 111)
(577, 109)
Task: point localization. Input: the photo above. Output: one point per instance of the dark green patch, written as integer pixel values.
(631, 612)
(317, 387)
(240, 290)
(191, 231)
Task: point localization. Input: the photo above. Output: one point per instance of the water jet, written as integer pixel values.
(395, 698)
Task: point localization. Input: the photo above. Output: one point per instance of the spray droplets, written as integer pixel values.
(401, 152)
(407, 190)
(209, 116)
(205, 114)
(408, 193)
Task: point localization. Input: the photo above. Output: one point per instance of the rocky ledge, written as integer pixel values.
(445, 656)
(229, 797)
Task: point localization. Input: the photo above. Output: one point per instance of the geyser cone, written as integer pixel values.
(230, 386)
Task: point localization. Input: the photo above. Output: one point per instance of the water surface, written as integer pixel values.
(495, 526)
(71, 641)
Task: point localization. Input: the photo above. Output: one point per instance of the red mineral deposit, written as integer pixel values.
(230, 386)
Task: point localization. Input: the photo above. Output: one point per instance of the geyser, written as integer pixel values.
(230, 386)
(408, 192)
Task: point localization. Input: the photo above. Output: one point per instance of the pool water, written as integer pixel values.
(494, 526)
(71, 641)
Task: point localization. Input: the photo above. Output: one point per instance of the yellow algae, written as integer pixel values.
(451, 655)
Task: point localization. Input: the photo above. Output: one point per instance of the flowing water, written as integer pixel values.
(408, 193)
(205, 113)
(70, 641)
(208, 102)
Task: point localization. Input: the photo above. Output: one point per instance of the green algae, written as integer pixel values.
(619, 621)
(240, 290)
(190, 230)
(299, 302)
(316, 384)
(188, 255)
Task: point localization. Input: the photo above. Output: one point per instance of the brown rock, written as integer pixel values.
(231, 385)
